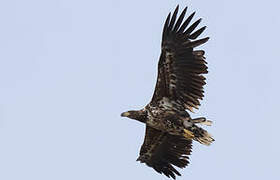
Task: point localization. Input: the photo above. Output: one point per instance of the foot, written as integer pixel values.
(188, 134)
(202, 121)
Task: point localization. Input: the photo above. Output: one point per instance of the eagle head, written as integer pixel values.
(140, 115)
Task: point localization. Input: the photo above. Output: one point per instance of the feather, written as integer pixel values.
(161, 153)
(173, 18)
(165, 27)
(180, 19)
(192, 27)
(186, 23)
(197, 33)
(196, 43)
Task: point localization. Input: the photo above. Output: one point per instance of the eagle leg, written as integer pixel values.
(192, 131)
(202, 120)
(188, 134)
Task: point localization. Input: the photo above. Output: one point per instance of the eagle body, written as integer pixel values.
(170, 129)
(167, 116)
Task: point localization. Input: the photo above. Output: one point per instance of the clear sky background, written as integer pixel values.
(69, 68)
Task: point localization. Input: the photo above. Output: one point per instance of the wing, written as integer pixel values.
(162, 152)
(180, 68)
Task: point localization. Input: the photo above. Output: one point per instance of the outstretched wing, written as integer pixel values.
(180, 68)
(162, 152)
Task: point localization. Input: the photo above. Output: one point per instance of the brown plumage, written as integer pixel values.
(166, 150)
(169, 127)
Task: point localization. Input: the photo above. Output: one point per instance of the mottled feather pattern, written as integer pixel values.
(163, 151)
(180, 68)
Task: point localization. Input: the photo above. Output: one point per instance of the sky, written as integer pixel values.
(68, 69)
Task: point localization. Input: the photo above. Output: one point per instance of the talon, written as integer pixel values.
(202, 121)
(207, 123)
(198, 120)
(188, 134)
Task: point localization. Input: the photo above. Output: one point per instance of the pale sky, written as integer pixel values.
(68, 69)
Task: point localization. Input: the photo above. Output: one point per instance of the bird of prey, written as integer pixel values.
(169, 128)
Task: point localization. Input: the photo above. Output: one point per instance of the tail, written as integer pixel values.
(202, 136)
(196, 133)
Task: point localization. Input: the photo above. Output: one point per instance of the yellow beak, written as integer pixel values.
(125, 114)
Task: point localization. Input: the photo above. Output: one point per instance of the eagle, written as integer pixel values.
(170, 129)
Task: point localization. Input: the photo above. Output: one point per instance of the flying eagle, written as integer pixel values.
(169, 127)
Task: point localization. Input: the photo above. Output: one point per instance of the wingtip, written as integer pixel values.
(169, 14)
(177, 7)
(185, 9)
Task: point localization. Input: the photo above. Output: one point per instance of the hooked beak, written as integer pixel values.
(125, 114)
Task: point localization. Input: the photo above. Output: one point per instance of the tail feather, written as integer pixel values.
(202, 136)
(197, 133)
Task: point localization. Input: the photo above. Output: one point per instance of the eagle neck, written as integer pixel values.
(141, 116)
